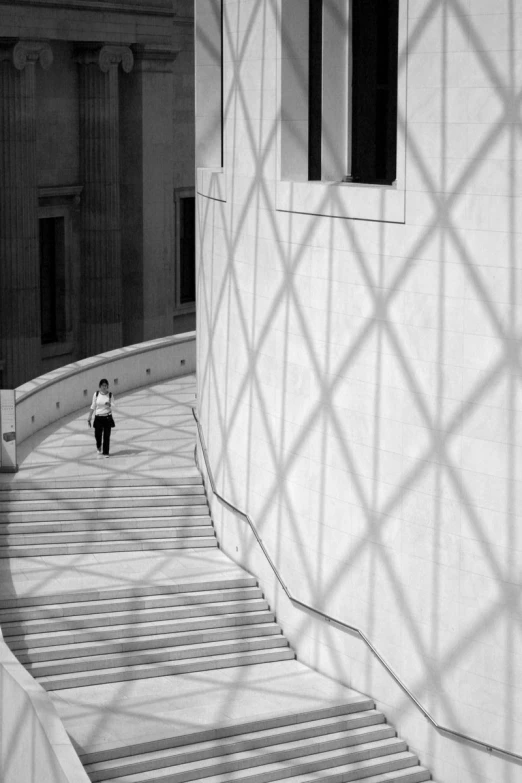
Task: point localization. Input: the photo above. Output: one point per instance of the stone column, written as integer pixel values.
(148, 147)
(101, 287)
(19, 243)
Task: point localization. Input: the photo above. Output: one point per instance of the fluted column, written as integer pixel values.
(148, 149)
(101, 286)
(19, 244)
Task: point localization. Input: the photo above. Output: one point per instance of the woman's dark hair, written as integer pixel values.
(103, 380)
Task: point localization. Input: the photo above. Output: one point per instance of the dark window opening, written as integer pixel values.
(375, 26)
(315, 88)
(52, 279)
(222, 86)
(374, 55)
(187, 250)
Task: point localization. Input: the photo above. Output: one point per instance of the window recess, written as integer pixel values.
(52, 280)
(352, 90)
(185, 267)
(187, 250)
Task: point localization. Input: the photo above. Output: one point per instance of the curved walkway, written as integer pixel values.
(154, 439)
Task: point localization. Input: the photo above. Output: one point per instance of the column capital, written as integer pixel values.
(27, 51)
(106, 57)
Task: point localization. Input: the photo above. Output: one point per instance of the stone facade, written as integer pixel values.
(96, 127)
(359, 359)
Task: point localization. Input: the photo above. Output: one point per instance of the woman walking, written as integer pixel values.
(101, 407)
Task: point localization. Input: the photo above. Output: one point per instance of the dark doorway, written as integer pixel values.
(187, 250)
(52, 279)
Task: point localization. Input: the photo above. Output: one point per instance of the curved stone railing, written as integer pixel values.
(67, 389)
(34, 746)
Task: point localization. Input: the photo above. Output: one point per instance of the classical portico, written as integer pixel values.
(19, 271)
(91, 107)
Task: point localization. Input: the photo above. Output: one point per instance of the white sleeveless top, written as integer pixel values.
(99, 403)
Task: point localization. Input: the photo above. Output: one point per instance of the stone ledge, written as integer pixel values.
(139, 7)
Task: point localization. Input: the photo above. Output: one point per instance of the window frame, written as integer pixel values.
(64, 345)
(341, 198)
(209, 72)
(187, 307)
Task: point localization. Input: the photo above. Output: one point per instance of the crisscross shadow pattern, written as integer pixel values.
(360, 381)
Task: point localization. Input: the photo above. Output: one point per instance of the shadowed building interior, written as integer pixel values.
(97, 185)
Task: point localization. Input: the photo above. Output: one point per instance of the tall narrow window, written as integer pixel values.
(187, 250)
(375, 29)
(315, 88)
(52, 279)
(352, 90)
(222, 85)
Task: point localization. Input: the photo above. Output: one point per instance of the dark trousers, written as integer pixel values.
(102, 428)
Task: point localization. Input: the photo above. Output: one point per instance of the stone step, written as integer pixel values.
(189, 584)
(131, 604)
(354, 705)
(42, 550)
(411, 774)
(128, 634)
(330, 732)
(177, 476)
(74, 494)
(192, 506)
(101, 501)
(138, 629)
(136, 644)
(117, 633)
(169, 668)
(126, 619)
(153, 655)
(99, 535)
(356, 763)
(350, 746)
(19, 528)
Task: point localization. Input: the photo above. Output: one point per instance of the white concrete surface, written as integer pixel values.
(154, 439)
(34, 746)
(359, 380)
(160, 707)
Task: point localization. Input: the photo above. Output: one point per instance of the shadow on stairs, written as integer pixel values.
(169, 665)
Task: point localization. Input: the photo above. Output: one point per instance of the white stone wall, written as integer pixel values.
(360, 380)
(34, 746)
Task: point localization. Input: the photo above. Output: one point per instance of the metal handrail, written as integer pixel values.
(340, 623)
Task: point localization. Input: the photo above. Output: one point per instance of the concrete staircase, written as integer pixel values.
(76, 520)
(90, 637)
(349, 742)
